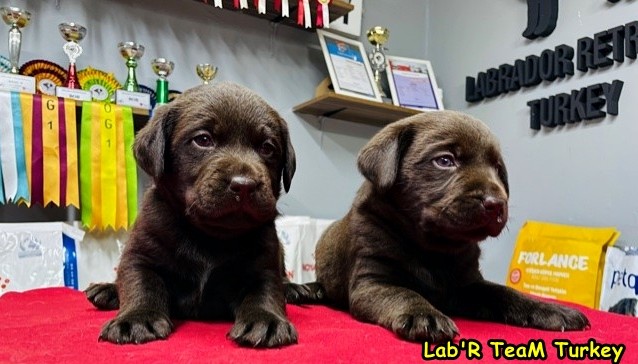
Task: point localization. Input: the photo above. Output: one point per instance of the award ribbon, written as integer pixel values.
(37, 169)
(261, 6)
(323, 14)
(218, 4)
(50, 150)
(285, 9)
(7, 148)
(108, 156)
(72, 190)
(86, 198)
(236, 4)
(243, 4)
(131, 166)
(26, 101)
(22, 195)
(300, 10)
(307, 14)
(121, 198)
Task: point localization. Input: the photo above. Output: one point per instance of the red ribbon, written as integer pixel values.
(236, 4)
(63, 151)
(300, 14)
(37, 166)
(278, 6)
(256, 2)
(320, 14)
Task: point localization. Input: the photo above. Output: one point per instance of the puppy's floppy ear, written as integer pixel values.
(380, 159)
(151, 141)
(290, 161)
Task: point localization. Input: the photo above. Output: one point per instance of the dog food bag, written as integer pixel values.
(38, 255)
(561, 262)
(619, 291)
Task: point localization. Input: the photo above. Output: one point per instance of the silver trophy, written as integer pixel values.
(16, 18)
(378, 36)
(132, 52)
(163, 68)
(206, 72)
(73, 33)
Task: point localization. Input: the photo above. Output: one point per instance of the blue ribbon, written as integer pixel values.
(23, 184)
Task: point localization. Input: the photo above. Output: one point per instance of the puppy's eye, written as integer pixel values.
(445, 161)
(267, 149)
(204, 140)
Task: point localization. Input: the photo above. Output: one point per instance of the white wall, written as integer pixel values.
(281, 63)
(580, 175)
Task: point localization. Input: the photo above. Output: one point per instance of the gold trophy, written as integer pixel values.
(206, 72)
(16, 18)
(378, 36)
(132, 52)
(163, 68)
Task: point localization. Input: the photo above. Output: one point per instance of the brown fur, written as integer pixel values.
(406, 255)
(204, 245)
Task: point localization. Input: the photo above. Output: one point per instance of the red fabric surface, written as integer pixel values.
(58, 325)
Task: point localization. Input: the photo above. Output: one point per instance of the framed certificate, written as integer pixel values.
(412, 83)
(348, 66)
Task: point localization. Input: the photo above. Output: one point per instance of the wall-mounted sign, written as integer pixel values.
(541, 18)
(601, 51)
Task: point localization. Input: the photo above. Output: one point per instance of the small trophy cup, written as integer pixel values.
(73, 33)
(206, 72)
(378, 36)
(131, 51)
(16, 18)
(163, 68)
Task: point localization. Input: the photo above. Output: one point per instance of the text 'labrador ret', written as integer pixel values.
(406, 256)
(204, 245)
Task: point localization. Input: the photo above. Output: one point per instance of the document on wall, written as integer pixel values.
(348, 64)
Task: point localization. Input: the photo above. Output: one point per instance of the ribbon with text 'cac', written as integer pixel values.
(108, 175)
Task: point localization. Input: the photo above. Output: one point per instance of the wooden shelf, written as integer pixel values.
(338, 8)
(353, 109)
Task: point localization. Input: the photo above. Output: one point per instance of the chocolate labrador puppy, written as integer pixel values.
(406, 255)
(204, 245)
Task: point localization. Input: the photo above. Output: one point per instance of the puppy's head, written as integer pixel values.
(218, 153)
(444, 170)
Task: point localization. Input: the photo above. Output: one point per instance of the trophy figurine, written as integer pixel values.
(206, 72)
(16, 18)
(162, 67)
(131, 51)
(73, 33)
(378, 36)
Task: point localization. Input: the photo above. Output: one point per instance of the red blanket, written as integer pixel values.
(58, 325)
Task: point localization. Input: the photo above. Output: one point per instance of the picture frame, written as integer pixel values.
(413, 84)
(348, 65)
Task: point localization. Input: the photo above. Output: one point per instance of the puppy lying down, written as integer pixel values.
(406, 255)
(204, 245)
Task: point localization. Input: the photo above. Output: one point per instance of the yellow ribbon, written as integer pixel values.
(51, 149)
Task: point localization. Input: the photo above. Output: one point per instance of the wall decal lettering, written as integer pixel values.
(541, 18)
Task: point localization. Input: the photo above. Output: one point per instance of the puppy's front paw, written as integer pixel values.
(549, 316)
(425, 325)
(137, 327)
(263, 329)
(103, 296)
(303, 293)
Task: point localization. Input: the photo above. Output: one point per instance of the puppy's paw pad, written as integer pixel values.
(137, 327)
(103, 296)
(425, 326)
(303, 293)
(550, 316)
(263, 329)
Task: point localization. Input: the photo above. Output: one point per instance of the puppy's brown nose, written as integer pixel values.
(242, 186)
(494, 206)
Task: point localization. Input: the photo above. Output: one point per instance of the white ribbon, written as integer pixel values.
(7, 148)
(326, 15)
(285, 8)
(306, 13)
(243, 4)
(261, 7)
(218, 4)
